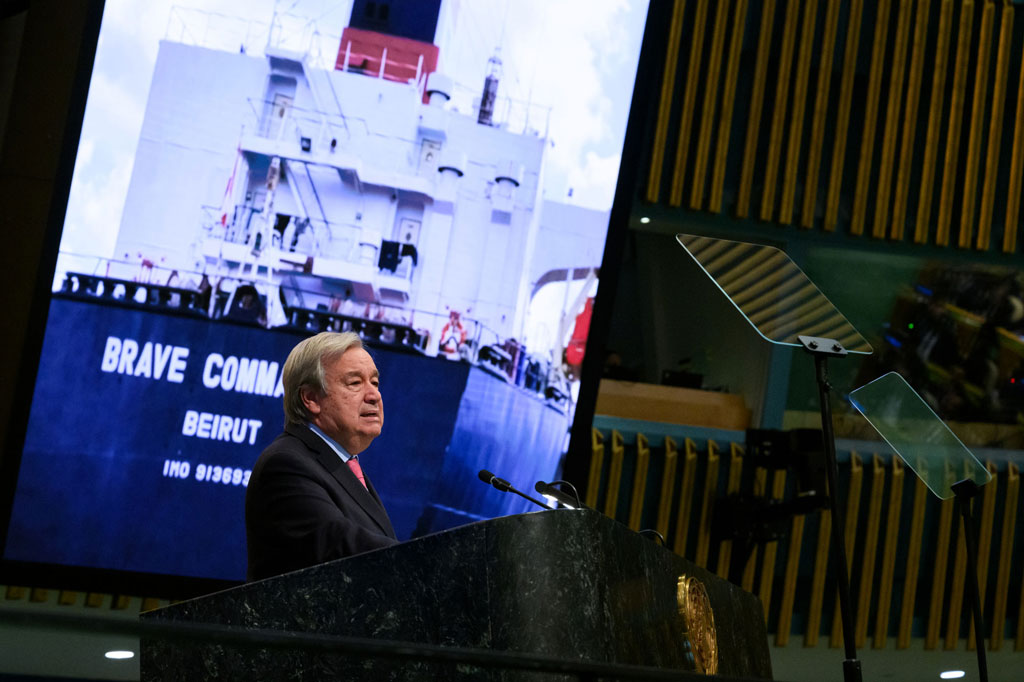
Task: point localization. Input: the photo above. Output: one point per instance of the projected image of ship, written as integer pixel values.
(259, 183)
(378, 196)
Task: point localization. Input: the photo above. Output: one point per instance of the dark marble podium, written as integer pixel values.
(571, 584)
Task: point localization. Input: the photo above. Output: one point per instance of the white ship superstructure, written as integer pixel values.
(341, 185)
(378, 196)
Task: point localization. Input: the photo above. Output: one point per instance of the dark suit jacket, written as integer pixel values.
(304, 506)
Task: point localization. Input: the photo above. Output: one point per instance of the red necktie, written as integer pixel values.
(353, 464)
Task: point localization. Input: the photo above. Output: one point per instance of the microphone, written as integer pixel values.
(499, 483)
(550, 491)
(506, 487)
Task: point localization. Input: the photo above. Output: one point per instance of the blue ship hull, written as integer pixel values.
(144, 425)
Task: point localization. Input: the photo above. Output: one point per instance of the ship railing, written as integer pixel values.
(522, 117)
(231, 33)
(381, 329)
(144, 285)
(510, 360)
(221, 223)
(298, 124)
(329, 238)
(87, 286)
(310, 130)
(378, 66)
(91, 269)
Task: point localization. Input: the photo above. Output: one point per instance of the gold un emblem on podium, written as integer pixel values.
(698, 623)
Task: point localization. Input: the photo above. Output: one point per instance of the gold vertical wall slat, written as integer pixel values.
(913, 568)
(817, 141)
(892, 533)
(94, 600)
(956, 107)
(796, 539)
(931, 146)
(596, 464)
(636, 500)
(771, 549)
(818, 579)
(1018, 642)
(668, 81)
(67, 597)
(1016, 172)
(14, 593)
(867, 565)
(931, 635)
(796, 121)
(977, 126)
(611, 498)
(914, 77)
(956, 595)
(1005, 556)
(771, 171)
(732, 487)
(689, 96)
(668, 480)
(685, 497)
(892, 118)
(988, 517)
(712, 82)
(760, 490)
(732, 70)
(38, 594)
(995, 129)
(867, 142)
(706, 502)
(850, 528)
(764, 42)
(835, 179)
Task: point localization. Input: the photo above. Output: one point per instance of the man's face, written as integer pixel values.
(351, 410)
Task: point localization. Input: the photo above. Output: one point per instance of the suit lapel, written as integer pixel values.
(366, 498)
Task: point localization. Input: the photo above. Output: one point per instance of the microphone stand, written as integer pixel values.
(506, 487)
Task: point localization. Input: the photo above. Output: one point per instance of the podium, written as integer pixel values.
(569, 584)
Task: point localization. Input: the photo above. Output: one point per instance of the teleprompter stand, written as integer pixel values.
(934, 453)
(784, 307)
(965, 490)
(822, 349)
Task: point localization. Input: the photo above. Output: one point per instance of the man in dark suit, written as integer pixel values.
(308, 500)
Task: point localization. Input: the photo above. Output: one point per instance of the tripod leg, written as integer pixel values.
(965, 490)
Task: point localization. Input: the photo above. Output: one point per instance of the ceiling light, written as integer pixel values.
(952, 674)
(645, 220)
(120, 655)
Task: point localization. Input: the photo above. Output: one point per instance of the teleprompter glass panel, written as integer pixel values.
(916, 433)
(772, 292)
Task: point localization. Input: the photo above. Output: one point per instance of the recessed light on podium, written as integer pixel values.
(644, 220)
(952, 674)
(119, 655)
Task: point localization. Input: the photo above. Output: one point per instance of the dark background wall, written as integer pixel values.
(41, 44)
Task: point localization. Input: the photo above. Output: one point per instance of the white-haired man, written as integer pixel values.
(308, 500)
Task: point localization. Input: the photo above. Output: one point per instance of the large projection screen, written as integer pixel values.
(437, 176)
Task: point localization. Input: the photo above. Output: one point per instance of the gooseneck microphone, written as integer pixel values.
(506, 487)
